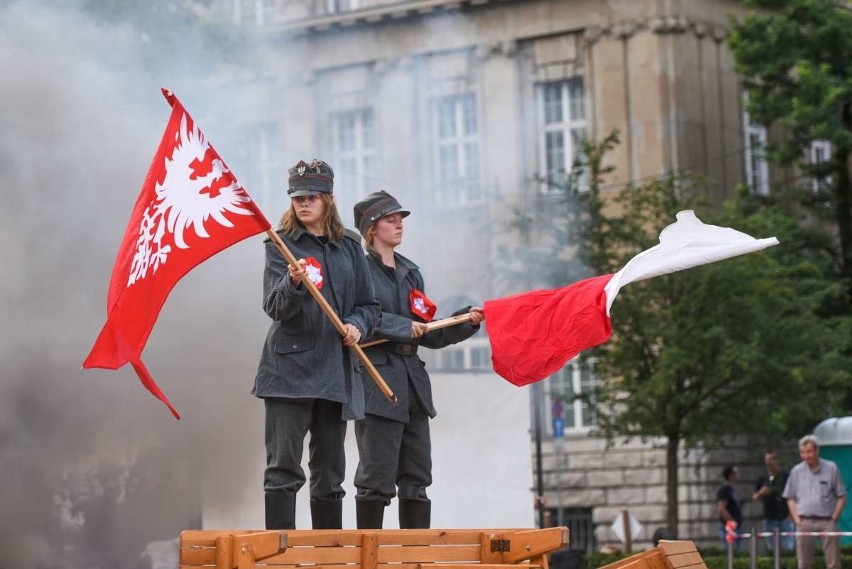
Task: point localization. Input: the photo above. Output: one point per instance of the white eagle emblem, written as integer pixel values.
(420, 306)
(197, 186)
(314, 270)
(314, 274)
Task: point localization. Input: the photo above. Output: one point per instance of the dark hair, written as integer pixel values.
(728, 471)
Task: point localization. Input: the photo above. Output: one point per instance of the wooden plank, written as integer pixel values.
(189, 538)
(197, 556)
(486, 555)
(430, 536)
(324, 537)
(427, 553)
(657, 562)
(192, 537)
(690, 559)
(260, 545)
(369, 551)
(643, 562)
(633, 559)
(404, 549)
(672, 547)
(534, 543)
(474, 566)
(224, 556)
(317, 555)
(245, 557)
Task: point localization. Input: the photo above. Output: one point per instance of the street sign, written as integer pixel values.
(558, 427)
(632, 523)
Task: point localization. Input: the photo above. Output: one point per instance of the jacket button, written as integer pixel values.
(294, 346)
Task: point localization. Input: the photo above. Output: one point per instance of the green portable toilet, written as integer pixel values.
(835, 444)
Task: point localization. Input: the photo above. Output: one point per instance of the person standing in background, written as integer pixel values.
(394, 443)
(816, 496)
(728, 506)
(776, 514)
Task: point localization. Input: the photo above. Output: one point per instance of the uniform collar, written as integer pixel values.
(401, 262)
(297, 234)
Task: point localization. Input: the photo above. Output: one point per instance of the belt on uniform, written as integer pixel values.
(401, 349)
(815, 517)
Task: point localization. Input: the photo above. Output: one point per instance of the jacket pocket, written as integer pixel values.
(292, 344)
(378, 356)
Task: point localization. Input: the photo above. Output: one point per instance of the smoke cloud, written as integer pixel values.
(94, 467)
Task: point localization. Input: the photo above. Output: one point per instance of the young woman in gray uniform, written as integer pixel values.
(306, 374)
(393, 439)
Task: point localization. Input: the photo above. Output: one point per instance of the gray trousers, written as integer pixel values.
(394, 454)
(805, 544)
(287, 423)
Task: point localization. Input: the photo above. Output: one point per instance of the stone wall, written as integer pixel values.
(631, 475)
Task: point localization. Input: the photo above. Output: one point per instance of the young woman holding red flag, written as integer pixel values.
(306, 374)
(393, 439)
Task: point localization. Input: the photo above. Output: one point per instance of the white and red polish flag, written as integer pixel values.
(191, 207)
(533, 334)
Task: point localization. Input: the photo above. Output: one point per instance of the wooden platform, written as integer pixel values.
(371, 549)
(667, 555)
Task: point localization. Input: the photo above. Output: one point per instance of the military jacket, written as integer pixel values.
(304, 355)
(405, 374)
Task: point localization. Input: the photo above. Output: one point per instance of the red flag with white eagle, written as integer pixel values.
(191, 207)
(533, 334)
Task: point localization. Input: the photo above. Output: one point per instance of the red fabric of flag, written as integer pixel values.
(534, 333)
(191, 207)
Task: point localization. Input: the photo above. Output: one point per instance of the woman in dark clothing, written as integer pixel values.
(306, 374)
(393, 439)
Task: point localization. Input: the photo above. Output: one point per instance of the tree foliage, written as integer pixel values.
(796, 56)
(748, 346)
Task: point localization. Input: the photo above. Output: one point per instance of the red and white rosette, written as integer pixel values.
(314, 269)
(421, 305)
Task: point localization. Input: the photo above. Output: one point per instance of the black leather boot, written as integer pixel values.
(280, 510)
(369, 514)
(327, 514)
(415, 514)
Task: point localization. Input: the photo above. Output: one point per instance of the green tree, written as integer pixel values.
(797, 58)
(746, 346)
(733, 348)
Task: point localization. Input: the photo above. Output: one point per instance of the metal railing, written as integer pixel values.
(776, 536)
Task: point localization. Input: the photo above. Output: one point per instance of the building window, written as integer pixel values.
(355, 151)
(456, 151)
(259, 12)
(472, 355)
(757, 168)
(572, 396)
(580, 526)
(562, 112)
(335, 6)
(820, 154)
(258, 154)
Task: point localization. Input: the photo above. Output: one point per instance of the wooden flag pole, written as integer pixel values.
(436, 325)
(335, 319)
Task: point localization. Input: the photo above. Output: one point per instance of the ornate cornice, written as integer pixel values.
(663, 24)
(378, 14)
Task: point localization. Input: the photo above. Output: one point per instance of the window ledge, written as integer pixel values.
(396, 11)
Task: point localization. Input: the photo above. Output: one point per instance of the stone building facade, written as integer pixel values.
(467, 109)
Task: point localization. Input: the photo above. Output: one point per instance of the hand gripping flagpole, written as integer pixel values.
(435, 325)
(332, 315)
